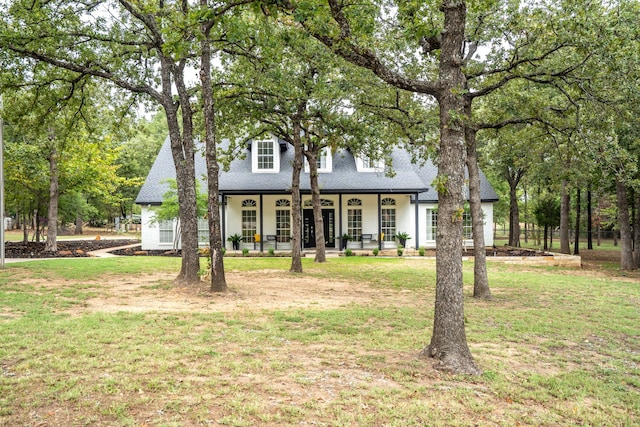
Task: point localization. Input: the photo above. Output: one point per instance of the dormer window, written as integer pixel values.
(265, 156)
(324, 161)
(368, 164)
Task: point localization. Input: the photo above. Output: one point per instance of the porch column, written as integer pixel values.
(340, 220)
(417, 208)
(261, 226)
(380, 240)
(223, 216)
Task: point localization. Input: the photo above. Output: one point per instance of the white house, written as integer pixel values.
(358, 199)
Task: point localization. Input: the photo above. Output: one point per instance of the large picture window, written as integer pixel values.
(388, 216)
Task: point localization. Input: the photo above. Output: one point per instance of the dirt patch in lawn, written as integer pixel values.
(265, 290)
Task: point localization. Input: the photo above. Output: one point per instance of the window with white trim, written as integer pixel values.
(249, 221)
(432, 224)
(388, 219)
(165, 228)
(265, 156)
(324, 161)
(203, 230)
(367, 164)
(283, 220)
(467, 226)
(354, 219)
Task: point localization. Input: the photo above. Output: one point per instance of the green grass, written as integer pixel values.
(558, 347)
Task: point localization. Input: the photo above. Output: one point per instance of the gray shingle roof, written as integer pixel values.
(344, 178)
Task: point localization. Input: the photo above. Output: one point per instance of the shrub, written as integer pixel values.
(376, 252)
(271, 252)
(348, 252)
(245, 251)
(421, 251)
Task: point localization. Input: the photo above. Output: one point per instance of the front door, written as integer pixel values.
(309, 228)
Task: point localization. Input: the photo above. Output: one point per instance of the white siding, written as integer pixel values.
(405, 220)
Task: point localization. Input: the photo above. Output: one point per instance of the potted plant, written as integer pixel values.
(343, 241)
(235, 240)
(402, 238)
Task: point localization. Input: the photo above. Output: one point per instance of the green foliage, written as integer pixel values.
(440, 184)
(547, 211)
(402, 235)
(169, 209)
(235, 238)
(136, 156)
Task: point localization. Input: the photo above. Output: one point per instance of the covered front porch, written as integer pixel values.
(350, 220)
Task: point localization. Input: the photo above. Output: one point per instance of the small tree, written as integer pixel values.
(547, 214)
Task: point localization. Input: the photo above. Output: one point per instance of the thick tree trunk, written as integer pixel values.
(565, 246)
(514, 215)
(52, 218)
(37, 236)
(626, 252)
(636, 232)
(480, 279)
(576, 246)
(25, 229)
(526, 215)
(448, 341)
(589, 222)
(218, 280)
(312, 158)
(182, 150)
(79, 224)
(296, 201)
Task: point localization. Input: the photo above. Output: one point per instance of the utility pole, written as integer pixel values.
(1, 185)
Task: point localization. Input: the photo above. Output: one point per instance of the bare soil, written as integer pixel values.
(315, 380)
(66, 248)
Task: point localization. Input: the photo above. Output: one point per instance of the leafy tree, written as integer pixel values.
(136, 156)
(547, 214)
(144, 50)
(340, 28)
(305, 106)
(58, 117)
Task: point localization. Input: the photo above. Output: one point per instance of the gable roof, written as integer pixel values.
(344, 178)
